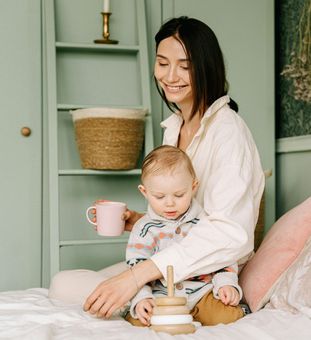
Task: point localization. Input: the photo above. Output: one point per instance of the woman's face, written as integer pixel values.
(172, 72)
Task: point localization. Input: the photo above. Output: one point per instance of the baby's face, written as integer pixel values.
(169, 194)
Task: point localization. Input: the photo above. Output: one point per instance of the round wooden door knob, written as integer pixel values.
(25, 131)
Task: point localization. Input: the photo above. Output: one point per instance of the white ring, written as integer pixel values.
(171, 319)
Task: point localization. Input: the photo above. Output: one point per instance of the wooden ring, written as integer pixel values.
(171, 301)
(164, 310)
(179, 319)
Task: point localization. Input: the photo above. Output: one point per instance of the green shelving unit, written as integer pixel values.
(82, 74)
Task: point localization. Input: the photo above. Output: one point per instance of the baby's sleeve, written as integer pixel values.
(141, 244)
(226, 277)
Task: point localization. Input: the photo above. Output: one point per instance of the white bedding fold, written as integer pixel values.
(30, 315)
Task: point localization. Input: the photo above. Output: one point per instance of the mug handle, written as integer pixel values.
(88, 212)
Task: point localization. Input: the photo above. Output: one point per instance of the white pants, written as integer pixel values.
(74, 286)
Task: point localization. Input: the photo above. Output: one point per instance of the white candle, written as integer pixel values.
(106, 6)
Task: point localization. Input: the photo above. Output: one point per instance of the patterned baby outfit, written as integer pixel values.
(151, 234)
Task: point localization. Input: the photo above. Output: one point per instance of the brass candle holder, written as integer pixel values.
(106, 33)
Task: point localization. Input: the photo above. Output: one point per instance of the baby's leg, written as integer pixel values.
(210, 311)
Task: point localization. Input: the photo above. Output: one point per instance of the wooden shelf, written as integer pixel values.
(107, 240)
(97, 47)
(67, 107)
(85, 172)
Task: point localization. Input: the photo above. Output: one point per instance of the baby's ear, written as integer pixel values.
(142, 189)
(195, 185)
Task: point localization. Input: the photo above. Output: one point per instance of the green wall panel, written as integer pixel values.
(94, 257)
(293, 180)
(20, 157)
(99, 83)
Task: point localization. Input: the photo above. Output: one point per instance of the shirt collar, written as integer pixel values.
(175, 120)
(215, 107)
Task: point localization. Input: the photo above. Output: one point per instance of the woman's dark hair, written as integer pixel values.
(207, 68)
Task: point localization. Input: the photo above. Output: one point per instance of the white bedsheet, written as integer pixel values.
(29, 314)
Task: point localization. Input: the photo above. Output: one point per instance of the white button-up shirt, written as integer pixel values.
(231, 183)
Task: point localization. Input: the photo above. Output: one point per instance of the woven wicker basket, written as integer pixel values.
(109, 138)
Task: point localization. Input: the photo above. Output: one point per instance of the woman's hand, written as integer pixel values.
(144, 310)
(131, 217)
(229, 295)
(115, 292)
(111, 294)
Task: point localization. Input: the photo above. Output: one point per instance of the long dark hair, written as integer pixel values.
(207, 68)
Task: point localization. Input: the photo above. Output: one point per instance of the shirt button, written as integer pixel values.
(178, 230)
(179, 286)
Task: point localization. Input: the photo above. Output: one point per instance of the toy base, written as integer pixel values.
(174, 329)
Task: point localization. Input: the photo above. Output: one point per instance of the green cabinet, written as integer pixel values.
(81, 74)
(20, 153)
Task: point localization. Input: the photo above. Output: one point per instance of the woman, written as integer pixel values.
(190, 76)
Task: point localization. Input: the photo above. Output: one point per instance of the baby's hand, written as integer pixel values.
(229, 295)
(144, 310)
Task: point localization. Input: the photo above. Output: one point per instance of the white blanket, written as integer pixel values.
(30, 314)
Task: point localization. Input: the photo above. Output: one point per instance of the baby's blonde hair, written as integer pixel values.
(165, 158)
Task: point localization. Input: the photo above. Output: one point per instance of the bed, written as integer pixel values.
(30, 314)
(276, 284)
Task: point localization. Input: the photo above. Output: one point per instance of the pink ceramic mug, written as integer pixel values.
(108, 216)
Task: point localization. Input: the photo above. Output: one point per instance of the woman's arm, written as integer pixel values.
(118, 290)
(231, 183)
(224, 235)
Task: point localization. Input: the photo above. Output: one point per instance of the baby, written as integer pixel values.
(169, 184)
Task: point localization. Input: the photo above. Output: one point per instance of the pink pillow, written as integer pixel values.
(279, 249)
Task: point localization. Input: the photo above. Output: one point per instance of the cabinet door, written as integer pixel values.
(20, 156)
(245, 30)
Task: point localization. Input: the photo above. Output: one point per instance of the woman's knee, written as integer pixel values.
(73, 286)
